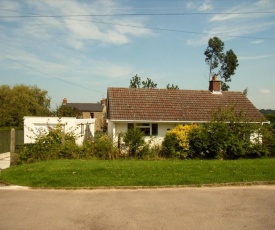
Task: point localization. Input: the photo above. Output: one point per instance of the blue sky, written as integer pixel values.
(77, 49)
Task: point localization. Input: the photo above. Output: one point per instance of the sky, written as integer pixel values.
(76, 49)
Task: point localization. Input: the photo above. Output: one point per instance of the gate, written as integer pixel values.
(5, 137)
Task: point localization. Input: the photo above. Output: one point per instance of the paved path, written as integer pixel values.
(251, 207)
(4, 160)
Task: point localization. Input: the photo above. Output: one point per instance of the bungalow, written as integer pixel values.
(156, 111)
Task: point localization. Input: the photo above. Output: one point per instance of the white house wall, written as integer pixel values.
(33, 126)
(115, 128)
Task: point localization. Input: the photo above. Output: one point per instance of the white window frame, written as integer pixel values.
(144, 126)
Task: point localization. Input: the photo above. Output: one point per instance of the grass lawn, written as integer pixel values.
(97, 173)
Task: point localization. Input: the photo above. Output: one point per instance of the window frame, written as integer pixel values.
(152, 128)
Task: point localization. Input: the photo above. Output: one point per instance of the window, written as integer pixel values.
(92, 115)
(154, 129)
(82, 129)
(130, 125)
(144, 127)
(149, 129)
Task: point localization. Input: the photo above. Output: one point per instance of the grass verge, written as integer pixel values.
(98, 173)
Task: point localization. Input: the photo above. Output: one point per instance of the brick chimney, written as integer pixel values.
(215, 85)
(103, 101)
(64, 101)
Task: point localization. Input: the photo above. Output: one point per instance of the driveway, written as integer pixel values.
(251, 207)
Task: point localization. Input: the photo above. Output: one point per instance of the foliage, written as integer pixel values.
(267, 111)
(103, 147)
(49, 146)
(269, 139)
(135, 82)
(176, 141)
(150, 151)
(148, 84)
(181, 132)
(271, 118)
(172, 86)
(170, 146)
(228, 136)
(67, 111)
(214, 54)
(215, 57)
(199, 143)
(134, 141)
(19, 101)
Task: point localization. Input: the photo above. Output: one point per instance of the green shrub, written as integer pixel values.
(227, 136)
(49, 146)
(176, 142)
(228, 140)
(150, 151)
(103, 147)
(199, 142)
(170, 146)
(134, 141)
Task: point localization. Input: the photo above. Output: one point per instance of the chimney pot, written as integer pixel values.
(215, 85)
(65, 101)
(103, 101)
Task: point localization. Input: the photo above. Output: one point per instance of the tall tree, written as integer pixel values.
(215, 57)
(135, 82)
(19, 101)
(172, 86)
(148, 84)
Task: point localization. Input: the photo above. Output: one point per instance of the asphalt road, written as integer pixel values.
(251, 207)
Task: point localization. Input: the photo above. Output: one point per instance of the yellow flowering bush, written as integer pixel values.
(181, 132)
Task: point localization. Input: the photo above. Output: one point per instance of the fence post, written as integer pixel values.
(63, 137)
(12, 141)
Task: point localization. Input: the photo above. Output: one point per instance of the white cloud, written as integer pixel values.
(229, 25)
(190, 5)
(255, 57)
(75, 69)
(79, 30)
(265, 91)
(9, 8)
(205, 6)
(257, 42)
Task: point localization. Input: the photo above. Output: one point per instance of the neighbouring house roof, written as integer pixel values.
(86, 107)
(143, 104)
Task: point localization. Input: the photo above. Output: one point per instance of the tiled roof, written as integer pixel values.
(174, 105)
(86, 107)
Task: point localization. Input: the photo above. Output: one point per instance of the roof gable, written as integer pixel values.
(143, 104)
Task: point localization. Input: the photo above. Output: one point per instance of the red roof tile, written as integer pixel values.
(174, 105)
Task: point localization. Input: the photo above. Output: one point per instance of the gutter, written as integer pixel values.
(157, 121)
